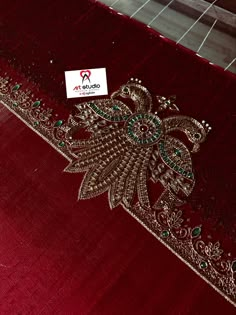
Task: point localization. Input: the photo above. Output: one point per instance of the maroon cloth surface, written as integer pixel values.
(60, 256)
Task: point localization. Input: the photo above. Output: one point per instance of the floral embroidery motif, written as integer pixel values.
(126, 148)
(206, 258)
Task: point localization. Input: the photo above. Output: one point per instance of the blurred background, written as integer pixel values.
(206, 27)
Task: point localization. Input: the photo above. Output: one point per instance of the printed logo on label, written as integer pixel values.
(85, 74)
(87, 82)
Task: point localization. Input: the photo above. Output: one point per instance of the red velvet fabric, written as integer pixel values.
(60, 256)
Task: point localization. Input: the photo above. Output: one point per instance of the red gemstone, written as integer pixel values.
(143, 128)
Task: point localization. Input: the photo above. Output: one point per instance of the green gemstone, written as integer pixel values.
(16, 87)
(36, 123)
(196, 231)
(165, 233)
(126, 90)
(233, 267)
(177, 152)
(58, 123)
(15, 104)
(61, 144)
(203, 265)
(115, 107)
(36, 104)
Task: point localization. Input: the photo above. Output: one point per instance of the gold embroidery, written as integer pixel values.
(207, 259)
(127, 148)
(123, 150)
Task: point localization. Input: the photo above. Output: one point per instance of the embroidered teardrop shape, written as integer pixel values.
(196, 231)
(36, 104)
(58, 123)
(16, 87)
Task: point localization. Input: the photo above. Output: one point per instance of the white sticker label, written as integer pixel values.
(87, 82)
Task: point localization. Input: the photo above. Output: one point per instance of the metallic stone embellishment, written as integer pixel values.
(127, 147)
(123, 149)
(144, 129)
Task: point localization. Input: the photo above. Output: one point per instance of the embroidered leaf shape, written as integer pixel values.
(111, 110)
